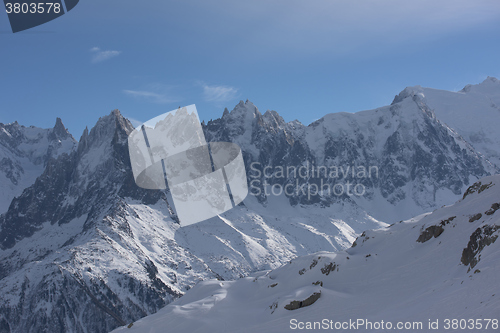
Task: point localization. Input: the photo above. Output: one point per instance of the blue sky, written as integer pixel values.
(303, 59)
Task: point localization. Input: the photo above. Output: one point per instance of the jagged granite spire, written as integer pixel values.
(59, 131)
(25, 152)
(101, 157)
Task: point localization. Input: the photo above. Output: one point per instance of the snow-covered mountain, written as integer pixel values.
(24, 153)
(437, 266)
(420, 162)
(473, 112)
(84, 249)
(86, 238)
(63, 261)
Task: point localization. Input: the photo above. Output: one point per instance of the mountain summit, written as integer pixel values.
(472, 112)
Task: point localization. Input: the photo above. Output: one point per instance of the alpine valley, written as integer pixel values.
(83, 249)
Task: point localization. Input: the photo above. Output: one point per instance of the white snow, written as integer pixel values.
(387, 276)
(31, 146)
(473, 112)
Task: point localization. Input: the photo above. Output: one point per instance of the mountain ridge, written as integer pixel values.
(24, 153)
(113, 252)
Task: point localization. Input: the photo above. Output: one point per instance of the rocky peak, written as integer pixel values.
(489, 85)
(271, 116)
(122, 123)
(11, 134)
(111, 128)
(407, 92)
(492, 79)
(247, 109)
(402, 104)
(59, 132)
(87, 179)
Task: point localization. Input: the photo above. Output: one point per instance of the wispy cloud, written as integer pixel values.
(99, 55)
(340, 27)
(219, 93)
(151, 96)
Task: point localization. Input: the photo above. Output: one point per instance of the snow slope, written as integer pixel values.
(437, 266)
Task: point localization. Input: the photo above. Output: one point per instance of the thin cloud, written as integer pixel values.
(338, 27)
(219, 93)
(102, 55)
(150, 96)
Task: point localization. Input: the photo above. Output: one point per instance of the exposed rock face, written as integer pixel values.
(493, 209)
(294, 305)
(331, 267)
(434, 230)
(476, 188)
(475, 217)
(25, 152)
(481, 238)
